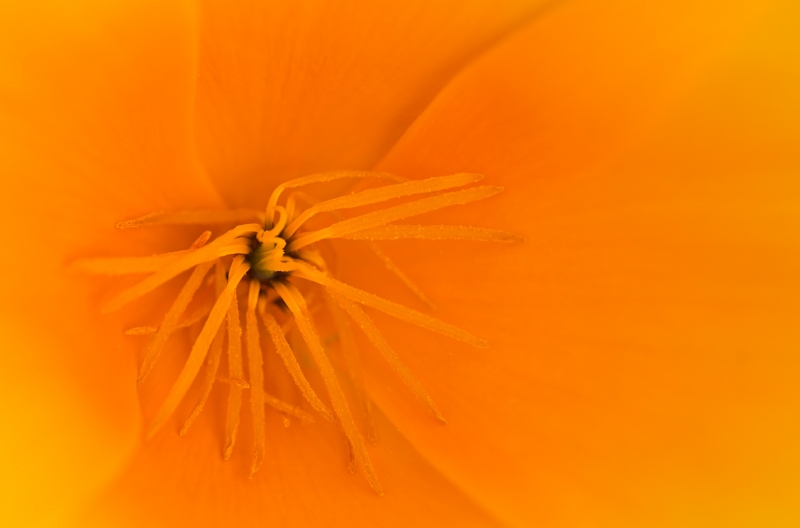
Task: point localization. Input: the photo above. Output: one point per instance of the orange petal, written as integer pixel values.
(94, 127)
(643, 364)
(304, 481)
(288, 90)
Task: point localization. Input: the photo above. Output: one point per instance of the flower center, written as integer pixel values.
(267, 260)
(262, 257)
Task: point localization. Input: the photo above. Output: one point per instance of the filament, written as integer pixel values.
(234, 249)
(204, 254)
(278, 226)
(171, 319)
(390, 308)
(132, 265)
(141, 330)
(287, 408)
(350, 353)
(324, 177)
(297, 306)
(377, 339)
(397, 272)
(256, 368)
(383, 257)
(392, 214)
(239, 382)
(382, 194)
(235, 371)
(196, 316)
(290, 361)
(200, 348)
(224, 216)
(187, 321)
(436, 232)
(214, 356)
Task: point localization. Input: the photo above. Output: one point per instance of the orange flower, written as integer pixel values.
(642, 364)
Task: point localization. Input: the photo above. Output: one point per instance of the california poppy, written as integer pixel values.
(641, 367)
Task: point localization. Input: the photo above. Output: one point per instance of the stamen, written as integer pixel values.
(214, 355)
(235, 371)
(291, 205)
(256, 367)
(201, 346)
(265, 252)
(268, 258)
(310, 256)
(225, 216)
(288, 408)
(171, 319)
(392, 214)
(436, 232)
(388, 307)
(141, 330)
(383, 257)
(287, 355)
(296, 304)
(351, 359)
(290, 324)
(196, 316)
(278, 226)
(239, 382)
(204, 254)
(132, 265)
(397, 272)
(377, 339)
(188, 320)
(234, 249)
(201, 240)
(324, 177)
(382, 194)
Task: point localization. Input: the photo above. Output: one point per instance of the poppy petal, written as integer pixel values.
(304, 481)
(292, 89)
(95, 125)
(643, 340)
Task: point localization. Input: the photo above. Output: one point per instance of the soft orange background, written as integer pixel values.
(643, 365)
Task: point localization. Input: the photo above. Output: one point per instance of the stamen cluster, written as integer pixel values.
(269, 257)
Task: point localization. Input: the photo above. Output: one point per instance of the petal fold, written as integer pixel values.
(642, 358)
(289, 89)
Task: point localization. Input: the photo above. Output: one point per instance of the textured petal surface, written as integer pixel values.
(287, 89)
(95, 107)
(643, 363)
